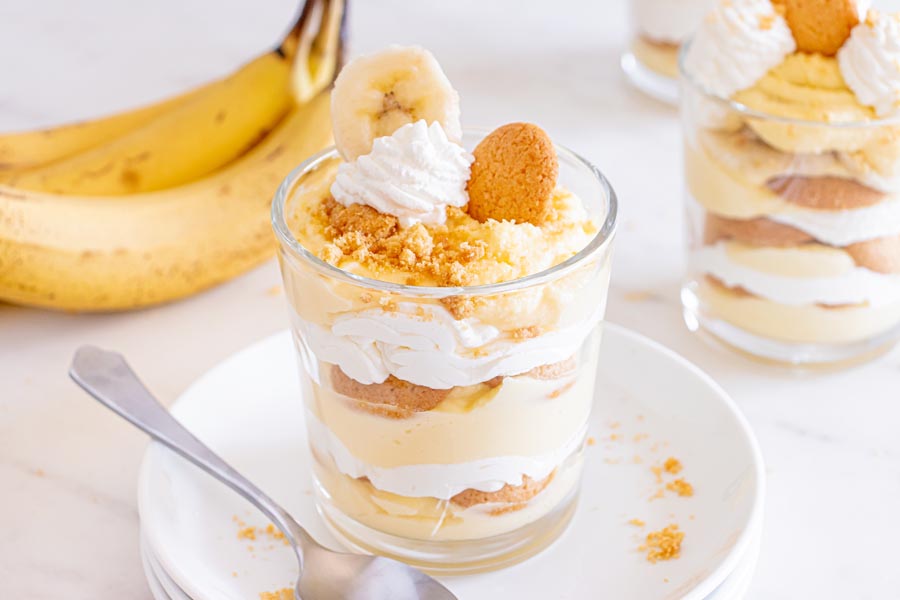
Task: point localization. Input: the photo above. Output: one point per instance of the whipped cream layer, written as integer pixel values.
(425, 345)
(845, 227)
(870, 63)
(442, 481)
(736, 44)
(670, 21)
(803, 275)
(413, 174)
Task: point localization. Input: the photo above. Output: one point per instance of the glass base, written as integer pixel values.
(460, 557)
(829, 356)
(659, 87)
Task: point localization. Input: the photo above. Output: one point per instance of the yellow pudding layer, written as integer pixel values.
(525, 417)
(725, 191)
(441, 520)
(661, 58)
(809, 87)
(803, 324)
(807, 261)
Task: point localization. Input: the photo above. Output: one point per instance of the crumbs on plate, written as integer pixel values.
(249, 532)
(282, 594)
(681, 487)
(672, 465)
(664, 544)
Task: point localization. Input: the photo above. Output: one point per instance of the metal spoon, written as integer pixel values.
(324, 574)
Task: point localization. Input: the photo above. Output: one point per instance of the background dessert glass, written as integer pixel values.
(793, 231)
(470, 458)
(658, 27)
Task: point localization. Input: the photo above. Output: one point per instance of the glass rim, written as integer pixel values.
(592, 248)
(686, 79)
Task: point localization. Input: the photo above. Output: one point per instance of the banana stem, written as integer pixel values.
(319, 31)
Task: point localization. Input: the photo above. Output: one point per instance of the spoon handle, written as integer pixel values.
(108, 378)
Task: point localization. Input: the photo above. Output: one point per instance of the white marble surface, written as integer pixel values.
(68, 467)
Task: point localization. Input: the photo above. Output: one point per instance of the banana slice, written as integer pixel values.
(375, 95)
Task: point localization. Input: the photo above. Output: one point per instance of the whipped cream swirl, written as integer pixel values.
(737, 43)
(425, 345)
(870, 63)
(413, 174)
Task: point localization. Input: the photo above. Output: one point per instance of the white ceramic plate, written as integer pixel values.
(651, 404)
(737, 583)
(734, 587)
(156, 589)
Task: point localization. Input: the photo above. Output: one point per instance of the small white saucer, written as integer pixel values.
(651, 404)
(735, 586)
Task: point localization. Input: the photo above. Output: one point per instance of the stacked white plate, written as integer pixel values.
(651, 405)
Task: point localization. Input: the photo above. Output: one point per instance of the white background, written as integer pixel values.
(68, 523)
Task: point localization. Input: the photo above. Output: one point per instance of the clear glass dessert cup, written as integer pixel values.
(658, 27)
(793, 230)
(468, 456)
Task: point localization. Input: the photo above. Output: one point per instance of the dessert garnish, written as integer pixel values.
(514, 175)
(375, 95)
(821, 25)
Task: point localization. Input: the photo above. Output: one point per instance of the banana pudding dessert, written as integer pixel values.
(792, 165)
(446, 292)
(660, 28)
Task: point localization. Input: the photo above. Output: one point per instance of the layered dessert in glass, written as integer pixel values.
(446, 291)
(658, 28)
(792, 165)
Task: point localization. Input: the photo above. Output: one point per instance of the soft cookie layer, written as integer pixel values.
(508, 494)
(757, 232)
(394, 398)
(881, 254)
(825, 193)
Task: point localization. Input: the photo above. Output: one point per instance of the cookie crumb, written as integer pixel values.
(636, 522)
(664, 544)
(640, 296)
(282, 594)
(526, 333)
(672, 466)
(681, 487)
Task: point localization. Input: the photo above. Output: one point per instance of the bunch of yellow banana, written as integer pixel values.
(160, 202)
